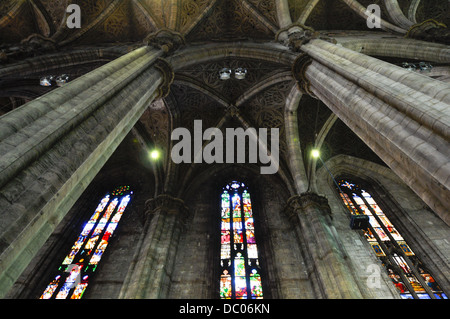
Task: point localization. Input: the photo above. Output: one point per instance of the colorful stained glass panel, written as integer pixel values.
(225, 238)
(225, 285)
(382, 233)
(236, 202)
(240, 287)
(94, 237)
(255, 285)
(238, 252)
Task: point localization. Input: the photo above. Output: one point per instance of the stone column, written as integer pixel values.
(397, 15)
(149, 276)
(325, 260)
(52, 147)
(296, 163)
(402, 116)
(283, 14)
(398, 47)
(361, 11)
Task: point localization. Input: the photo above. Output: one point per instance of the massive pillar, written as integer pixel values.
(51, 148)
(330, 274)
(149, 276)
(401, 115)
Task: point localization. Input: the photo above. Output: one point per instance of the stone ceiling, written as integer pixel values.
(126, 21)
(119, 22)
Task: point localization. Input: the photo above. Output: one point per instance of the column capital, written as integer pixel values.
(168, 76)
(296, 34)
(167, 204)
(166, 40)
(299, 67)
(301, 204)
(429, 30)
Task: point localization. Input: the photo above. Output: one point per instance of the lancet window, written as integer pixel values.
(407, 272)
(240, 268)
(79, 265)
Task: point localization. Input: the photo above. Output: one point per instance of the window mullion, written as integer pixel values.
(400, 250)
(232, 252)
(386, 249)
(246, 258)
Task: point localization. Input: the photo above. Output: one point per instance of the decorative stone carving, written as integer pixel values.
(232, 110)
(299, 204)
(167, 77)
(430, 30)
(165, 39)
(168, 204)
(33, 45)
(299, 71)
(298, 35)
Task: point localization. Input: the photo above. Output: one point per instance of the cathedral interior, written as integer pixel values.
(357, 209)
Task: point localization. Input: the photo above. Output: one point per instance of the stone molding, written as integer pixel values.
(300, 204)
(166, 40)
(299, 71)
(429, 30)
(167, 204)
(168, 77)
(298, 35)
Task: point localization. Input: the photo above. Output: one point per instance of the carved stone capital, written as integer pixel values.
(304, 203)
(430, 30)
(166, 40)
(297, 34)
(232, 110)
(166, 204)
(167, 77)
(299, 72)
(28, 47)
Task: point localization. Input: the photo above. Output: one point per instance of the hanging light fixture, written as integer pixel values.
(225, 74)
(46, 80)
(424, 66)
(240, 73)
(62, 79)
(409, 66)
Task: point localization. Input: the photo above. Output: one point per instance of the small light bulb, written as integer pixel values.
(154, 154)
(315, 153)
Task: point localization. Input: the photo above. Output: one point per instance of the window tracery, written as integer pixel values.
(240, 269)
(406, 270)
(80, 263)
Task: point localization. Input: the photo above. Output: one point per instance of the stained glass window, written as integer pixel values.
(72, 277)
(408, 274)
(240, 269)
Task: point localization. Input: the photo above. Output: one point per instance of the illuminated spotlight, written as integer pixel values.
(154, 155)
(315, 153)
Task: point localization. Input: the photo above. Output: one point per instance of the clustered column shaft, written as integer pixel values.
(150, 275)
(51, 148)
(330, 275)
(403, 116)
